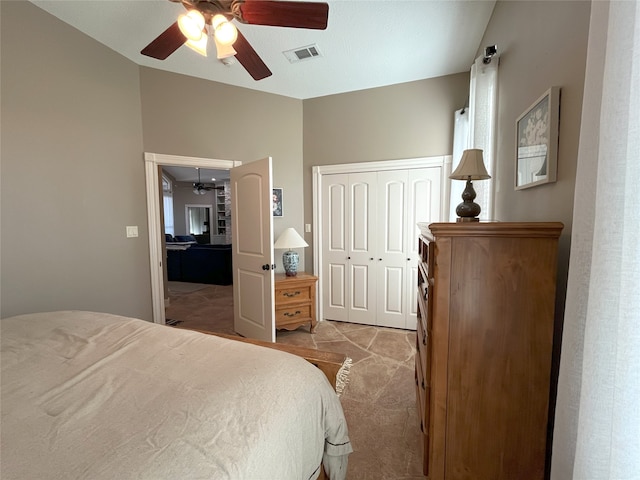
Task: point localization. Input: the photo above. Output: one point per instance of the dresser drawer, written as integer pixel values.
(423, 349)
(293, 314)
(294, 294)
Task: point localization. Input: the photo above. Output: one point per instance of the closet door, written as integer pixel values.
(362, 247)
(423, 205)
(335, 244)
(369, 244)
(391, 258)
(348, 217)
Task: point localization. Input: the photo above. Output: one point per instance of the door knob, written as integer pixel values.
(266, 266)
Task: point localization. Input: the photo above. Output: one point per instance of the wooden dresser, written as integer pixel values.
(486, 301)
(295, 300)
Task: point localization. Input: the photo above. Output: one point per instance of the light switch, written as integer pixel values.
(132, 231)
(307, 228)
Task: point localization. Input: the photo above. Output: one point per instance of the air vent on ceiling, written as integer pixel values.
(302, 53)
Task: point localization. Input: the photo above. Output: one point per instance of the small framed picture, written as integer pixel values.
(537, 141)
(277, 202)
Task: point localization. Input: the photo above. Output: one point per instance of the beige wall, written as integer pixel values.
(541, 44)
(72, 171)
(407, 120)
(193, 117)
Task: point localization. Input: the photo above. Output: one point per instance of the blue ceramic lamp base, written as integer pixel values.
(290, 262)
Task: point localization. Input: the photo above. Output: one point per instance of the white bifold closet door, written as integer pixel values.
(369, 230)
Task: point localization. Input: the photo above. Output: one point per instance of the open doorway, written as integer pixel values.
(198, 277)
(157, 239)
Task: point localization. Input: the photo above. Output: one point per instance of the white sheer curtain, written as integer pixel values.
(482, 114)
(597, 424)
(460, 144)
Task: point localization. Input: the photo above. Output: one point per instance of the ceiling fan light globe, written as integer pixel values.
(224, 31)
(191, 25)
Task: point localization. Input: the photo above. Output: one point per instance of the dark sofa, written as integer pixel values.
(201, 264)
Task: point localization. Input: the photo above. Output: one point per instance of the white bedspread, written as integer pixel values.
(96, 396)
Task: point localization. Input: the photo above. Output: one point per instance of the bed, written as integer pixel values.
(96, 396)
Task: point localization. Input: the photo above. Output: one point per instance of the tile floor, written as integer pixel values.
(379, 400)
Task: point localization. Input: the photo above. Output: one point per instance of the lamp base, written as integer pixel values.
(290, 263)
(468, 210)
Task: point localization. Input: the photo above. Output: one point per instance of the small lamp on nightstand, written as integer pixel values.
(471, 167)
(290, 239)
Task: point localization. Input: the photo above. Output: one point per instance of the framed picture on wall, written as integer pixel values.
(537, 141)
(277, 202)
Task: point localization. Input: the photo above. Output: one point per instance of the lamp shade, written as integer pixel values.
(471, 166)
(290, 239)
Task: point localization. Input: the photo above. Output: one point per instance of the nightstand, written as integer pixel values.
(295, 299)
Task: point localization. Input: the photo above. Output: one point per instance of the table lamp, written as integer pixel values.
(471, 167)
(290, 239)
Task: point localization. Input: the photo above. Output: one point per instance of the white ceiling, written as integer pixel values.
(367, 44)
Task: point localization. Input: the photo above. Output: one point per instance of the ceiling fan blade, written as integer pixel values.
(250, 59)
(285, 14)
(166, 43)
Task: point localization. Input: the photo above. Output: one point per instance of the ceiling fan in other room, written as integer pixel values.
(213, 17)
(200, 188)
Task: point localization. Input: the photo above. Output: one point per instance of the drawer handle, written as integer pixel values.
(287, 314)
(294, 294)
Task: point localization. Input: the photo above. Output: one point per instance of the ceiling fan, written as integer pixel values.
(213, 17)
(200, 188)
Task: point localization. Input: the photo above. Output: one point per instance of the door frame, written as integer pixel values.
(151, 163)
(443, 161)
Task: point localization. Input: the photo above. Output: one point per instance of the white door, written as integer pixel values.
(348, 269)
(423, 205)
(369, 241)
(392, 259)
(335, 241)
(252, 257)
(362, 247)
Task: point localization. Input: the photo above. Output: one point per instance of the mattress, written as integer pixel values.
(96, 396)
